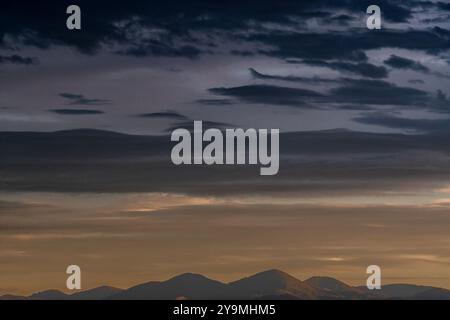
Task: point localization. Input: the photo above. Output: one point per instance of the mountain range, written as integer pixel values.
(266, 285)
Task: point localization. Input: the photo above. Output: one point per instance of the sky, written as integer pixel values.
(295, 66)
(85, 118)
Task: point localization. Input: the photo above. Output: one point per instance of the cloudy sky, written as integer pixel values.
(364, 114)
(142, 66)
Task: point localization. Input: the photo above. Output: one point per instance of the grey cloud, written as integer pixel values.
(441, 103)
(158, 48)
(269, 94)
(416, 81)
(376, 91)
(444, 6)
(242, 53)
(189, 125)
(342, 19)
(349, 46)
(163, 115)
(76, 112)
(17, 59)
(405, 63)
(396, 122)
(350, 94)
(215, 102)
(314, 163)
(363, 69)
(312, 80)
(79, 99)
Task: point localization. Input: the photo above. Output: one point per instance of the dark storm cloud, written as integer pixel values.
(395, 122)
(376, 91)
(99, 25)
(79, 99)
(349, 45)
(444, 6)
(363, 69)
(159, 49)
(311, 80)
(353, 94)
(112, 23)
(441, 102)
(242, 53)
(269, 94)
(17, 59)
(310, 46)
(405, 63)
(440, 19)
(76, 112)
(163, 115)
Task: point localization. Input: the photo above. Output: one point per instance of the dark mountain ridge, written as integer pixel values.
(266, 285)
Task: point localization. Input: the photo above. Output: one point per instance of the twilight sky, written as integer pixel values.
(364, 114)
(144, 66)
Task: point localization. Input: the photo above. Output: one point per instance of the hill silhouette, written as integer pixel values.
(266, 285)
(98, 293)
(272, 283)
(187, 285)
(336, 289)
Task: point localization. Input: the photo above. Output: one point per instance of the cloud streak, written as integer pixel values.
(79, 99)
(76, 112)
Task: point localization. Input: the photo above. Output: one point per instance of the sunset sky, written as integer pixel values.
(86, 116)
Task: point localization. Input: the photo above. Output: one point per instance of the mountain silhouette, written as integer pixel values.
(433, 294)
(329, 284)
(335, 289)
(408, 291)
(187, 285)
(48, 295)
(98, 293)
(12, 297)
(272, 283)
(266, 285)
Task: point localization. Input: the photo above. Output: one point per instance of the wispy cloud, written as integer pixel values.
(79, 99)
